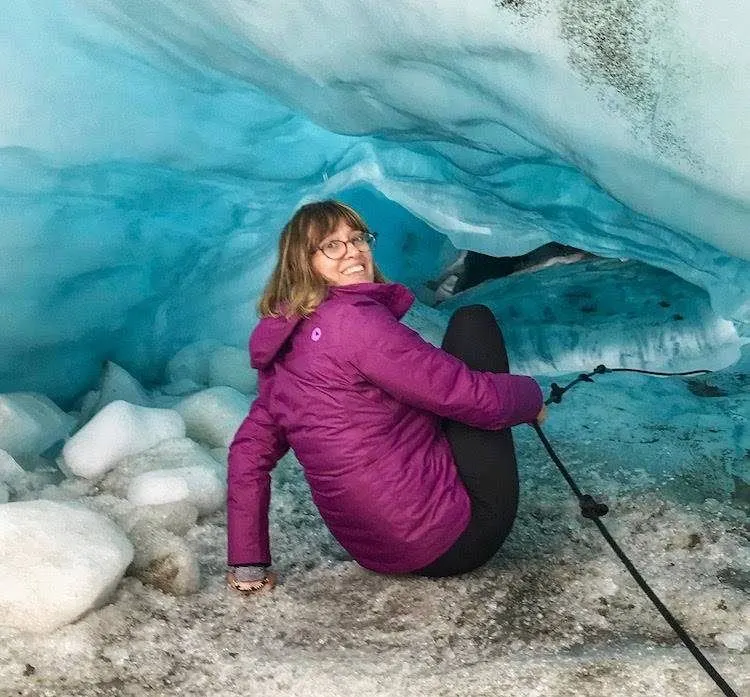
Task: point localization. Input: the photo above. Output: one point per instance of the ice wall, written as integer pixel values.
(150, 151)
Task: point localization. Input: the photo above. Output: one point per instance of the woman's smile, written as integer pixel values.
(355, 266)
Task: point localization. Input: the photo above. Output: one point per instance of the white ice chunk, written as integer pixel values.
(157, 487)
(88, 405)
(176, 518)
(118, 430)
(197, 485)
(30, 423)
(221, 455)
(230, 366)
(67, 490)
(10, 470)
(214, 415)
(192, 362)
(26, 485)
(58, 562)
(733, 640)
(181, 387)
(116, 383)
(168, 454)
(163, 560)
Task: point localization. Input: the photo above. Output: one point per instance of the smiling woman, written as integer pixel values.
(406, 447)
(325, 244)
(345, 256)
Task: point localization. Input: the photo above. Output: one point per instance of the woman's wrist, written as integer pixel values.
(249, 572)
(250, 578)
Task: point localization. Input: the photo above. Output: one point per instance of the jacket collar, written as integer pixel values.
(397, 298)
(272, 333)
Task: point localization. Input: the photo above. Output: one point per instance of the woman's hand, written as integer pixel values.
(541, 416)
(250, 580)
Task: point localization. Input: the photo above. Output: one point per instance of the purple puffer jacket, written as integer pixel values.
(359, 397)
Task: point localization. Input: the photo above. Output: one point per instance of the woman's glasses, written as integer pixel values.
(336, 249)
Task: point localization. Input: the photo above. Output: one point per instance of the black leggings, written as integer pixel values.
(486, 460)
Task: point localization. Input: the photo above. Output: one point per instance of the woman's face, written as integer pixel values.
(355, 266)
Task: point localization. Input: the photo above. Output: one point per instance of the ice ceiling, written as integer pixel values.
(151, 150)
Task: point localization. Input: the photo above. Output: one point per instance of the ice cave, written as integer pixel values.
(579, 166)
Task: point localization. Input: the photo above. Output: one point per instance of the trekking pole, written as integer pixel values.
(593, 510)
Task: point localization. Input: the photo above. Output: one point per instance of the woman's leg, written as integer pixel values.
(486, 460)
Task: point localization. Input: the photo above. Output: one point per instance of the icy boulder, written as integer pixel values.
(163, 560)
(17, 483)
(230, 366)
(115, 383)
(197, 485)
(213, 416)
(10, 470)
(192, 363)
(181, 387)
(30, 424)
(118, 430)
(167, 454)
(58, 562)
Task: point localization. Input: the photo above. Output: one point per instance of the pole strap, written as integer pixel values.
(557, 392)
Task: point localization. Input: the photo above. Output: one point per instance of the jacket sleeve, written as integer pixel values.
(394, 357)
(257, 446)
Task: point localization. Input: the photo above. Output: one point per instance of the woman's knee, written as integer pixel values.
(474, 336)
(473, 314)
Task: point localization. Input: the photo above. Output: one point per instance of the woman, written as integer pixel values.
(406, 447)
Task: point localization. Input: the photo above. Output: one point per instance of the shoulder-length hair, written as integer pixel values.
(295, 287)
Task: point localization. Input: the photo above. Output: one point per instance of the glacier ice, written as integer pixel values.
(150, 152)
(118, 430)
(30, 424)
(171, 453)
(213, 416)
(59, 562)
(195, 484)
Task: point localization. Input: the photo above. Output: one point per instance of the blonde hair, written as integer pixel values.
(295, 287)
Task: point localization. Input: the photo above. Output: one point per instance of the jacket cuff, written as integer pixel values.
(525, 397)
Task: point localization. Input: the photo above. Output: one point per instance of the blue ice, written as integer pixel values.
(150, 152)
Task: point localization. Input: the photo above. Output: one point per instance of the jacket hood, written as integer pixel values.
(269, 337)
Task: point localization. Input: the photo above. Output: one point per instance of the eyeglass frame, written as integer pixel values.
(367, 237)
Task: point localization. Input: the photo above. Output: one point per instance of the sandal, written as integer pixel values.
(251, 587)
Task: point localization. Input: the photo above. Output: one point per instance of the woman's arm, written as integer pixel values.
(256, 448)
(397, 359)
